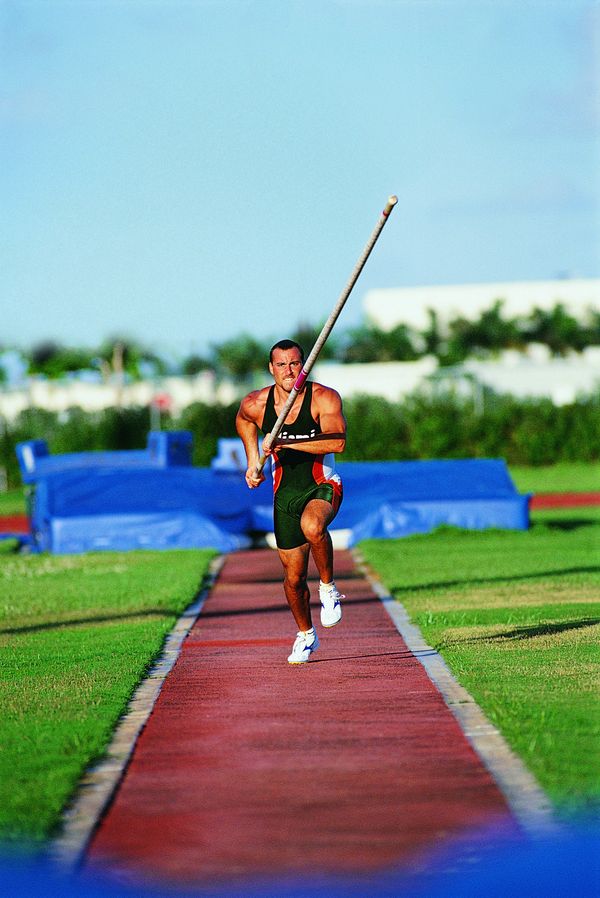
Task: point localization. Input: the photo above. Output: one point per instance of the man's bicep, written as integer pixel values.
(331, 417)
(333, 423)
(244, 424)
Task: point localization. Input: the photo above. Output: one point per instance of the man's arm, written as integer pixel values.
(246, 424)
(327, 410)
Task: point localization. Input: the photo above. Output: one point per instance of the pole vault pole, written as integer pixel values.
(326, 330)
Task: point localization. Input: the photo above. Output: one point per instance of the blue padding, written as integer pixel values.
(446, 479)
(122, 491)
(120, 533)
(392, 520)
(169, 448)
(83, 509)
(51, 464)
(29, 455)
(231, 455)
(165, 449)
(394, 499)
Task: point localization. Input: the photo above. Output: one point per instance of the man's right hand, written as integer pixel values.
(252, 480)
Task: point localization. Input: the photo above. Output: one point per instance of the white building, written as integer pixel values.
(563, 380)
(531, 375)
(409, 305)
(392, 380)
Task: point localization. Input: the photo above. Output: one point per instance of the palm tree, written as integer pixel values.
(119, 357)
(556, 328)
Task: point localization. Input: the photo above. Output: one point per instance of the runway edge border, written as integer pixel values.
(526, 799)
(99, 784)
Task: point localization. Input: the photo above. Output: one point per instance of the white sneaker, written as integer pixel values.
(305, 644)
(331, 606)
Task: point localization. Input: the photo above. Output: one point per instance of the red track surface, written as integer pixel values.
(564, 500)
(14, 523)
(249, 766)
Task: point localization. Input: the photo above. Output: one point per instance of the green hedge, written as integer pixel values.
(533, 432)
(522, 432)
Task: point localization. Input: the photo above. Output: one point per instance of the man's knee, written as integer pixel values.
(296, 579)
(314, 529)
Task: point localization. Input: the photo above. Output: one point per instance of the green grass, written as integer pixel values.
(12, 502)
(516, 615)
(77, 634)
(582, 477)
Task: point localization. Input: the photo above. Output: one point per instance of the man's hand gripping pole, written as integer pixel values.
(326, 330)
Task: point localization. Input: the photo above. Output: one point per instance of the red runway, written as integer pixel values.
(249, 766)
(564, 500)
(14, 523)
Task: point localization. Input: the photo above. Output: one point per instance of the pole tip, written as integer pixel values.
(392, 200)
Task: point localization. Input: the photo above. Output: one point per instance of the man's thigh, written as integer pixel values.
(318, 513)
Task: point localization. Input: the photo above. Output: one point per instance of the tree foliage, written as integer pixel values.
(488, 335)
(241, 356)
(195, 364)
(372, 344)
(306, 336)
(559, 330)
(54, 360)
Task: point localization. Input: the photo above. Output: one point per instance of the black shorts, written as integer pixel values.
(289, 505)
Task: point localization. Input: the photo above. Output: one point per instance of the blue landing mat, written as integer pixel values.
(182, 507)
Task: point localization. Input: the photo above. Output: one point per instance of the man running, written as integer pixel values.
(307, 492)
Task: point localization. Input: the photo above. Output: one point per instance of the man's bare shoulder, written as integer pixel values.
(253, 405)
(326, 395)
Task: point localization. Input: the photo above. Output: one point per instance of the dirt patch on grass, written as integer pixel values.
(550, 634)
(507, 595)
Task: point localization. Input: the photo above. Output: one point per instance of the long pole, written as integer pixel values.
(326, 330)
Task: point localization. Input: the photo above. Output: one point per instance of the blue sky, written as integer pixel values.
(183, 172)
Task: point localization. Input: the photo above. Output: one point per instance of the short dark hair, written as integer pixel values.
(286, 344)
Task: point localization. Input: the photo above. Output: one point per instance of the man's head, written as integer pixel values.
(285, 363)
(286, 344)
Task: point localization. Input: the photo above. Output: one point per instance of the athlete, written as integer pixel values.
(306, 490)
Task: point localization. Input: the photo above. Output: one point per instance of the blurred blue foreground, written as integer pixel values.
(551, 867)
(156, 499)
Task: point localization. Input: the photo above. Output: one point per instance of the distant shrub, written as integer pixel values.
(207, 423)
(376, 429)
(531, 432)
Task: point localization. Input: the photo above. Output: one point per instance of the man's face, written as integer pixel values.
(285, 367)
